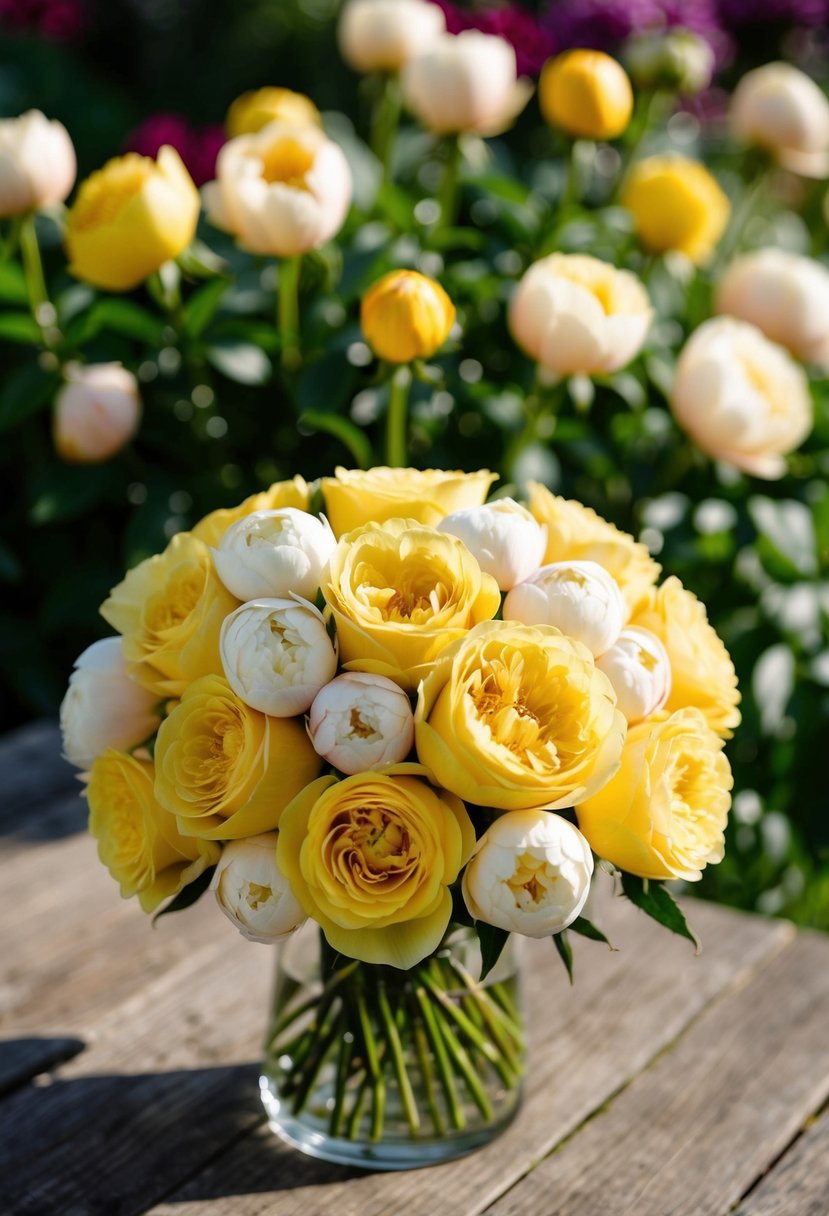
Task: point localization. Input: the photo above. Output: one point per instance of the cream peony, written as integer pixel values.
(639, 669)
(530, 873)
(504, 538)
(97, 411)
(579, 598)
(283, 190)
(37, 163)
(277, 655)
(781, 109)
(274, 553)
(465, 82)
(253, 892)
(574, 313)
(103, 707)
(383, 35)
(740, 397)
(361, 721)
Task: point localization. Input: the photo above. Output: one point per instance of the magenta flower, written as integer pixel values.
(198, 146)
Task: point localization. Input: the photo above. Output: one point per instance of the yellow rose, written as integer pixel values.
(371, 859)
(586, 94)
(138, 841)
(406, 316)
(577, 533)
(664, 813)
(254, 110)
(400, 593)
(225, 770)
(130, 217)
(293, 493)
(702, 674)
(676, 204)
(518, 717)
(356, 497)
(169, 610)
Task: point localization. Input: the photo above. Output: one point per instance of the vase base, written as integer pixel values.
(384, 1154)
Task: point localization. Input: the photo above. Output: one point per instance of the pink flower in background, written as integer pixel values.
(532, 44)
(198, 146)
(54, 20)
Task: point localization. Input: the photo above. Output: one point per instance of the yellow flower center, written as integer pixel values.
(107, 192)
(398, 595)
(287, 161)
(532, 880)
(256, 895)
(369, 848)
(767, 386)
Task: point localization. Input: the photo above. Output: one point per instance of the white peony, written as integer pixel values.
(103, 707)
(274, 553)
(360, 722)
(253, 892)
(579, 598)
(383, 35)
(639, 669)
(506, 540)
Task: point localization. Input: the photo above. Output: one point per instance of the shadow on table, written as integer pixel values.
(22, 1059)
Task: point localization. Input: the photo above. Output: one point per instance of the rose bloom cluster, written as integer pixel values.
(348, 714)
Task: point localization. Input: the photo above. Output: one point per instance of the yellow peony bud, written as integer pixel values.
(406, 316)
(129, 218)
(676, 204)
(664, 813)
(254, 110)
(138, 840)
(586, 93)
(354, 497)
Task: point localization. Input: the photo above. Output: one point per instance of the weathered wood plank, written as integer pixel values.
(22, 1059)
(32, 771)
(692, 1133)
(798, 1184)
(585, 1044)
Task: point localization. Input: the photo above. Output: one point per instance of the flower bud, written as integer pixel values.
(129, 218)
(37, 163)
(383, 35)
(585, 93)
(97, 411)
(360, 722)
(741, 398)
(577, 314)
(277, 655)
(676, 204)
(274, 554)
(504, 538)
(781, 109)
(103, 707)
(530, 874)
(253, 893)
(579, 598)
(783, 294)
(639, 669)
(406, 316)
(465, 82)
(678, 60)
(254, 110)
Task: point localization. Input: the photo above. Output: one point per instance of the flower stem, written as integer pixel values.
(41, 306)
(449, 194)
(396, 448)
(404, 1084)
(441, 1058)
(468, 1028)
(385, 121)
(288, 312)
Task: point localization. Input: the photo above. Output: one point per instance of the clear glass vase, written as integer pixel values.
(367, 1065)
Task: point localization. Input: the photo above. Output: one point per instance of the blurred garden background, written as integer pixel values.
(223, 416)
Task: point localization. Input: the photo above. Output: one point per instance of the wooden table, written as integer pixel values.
(660, 1085)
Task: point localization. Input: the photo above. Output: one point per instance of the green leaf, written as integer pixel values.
(565, 951)
(188, 895)
(348, 434)
(64, 492)
(787, 544)
(240, 361)
(129, 319)
(199, 261)
(492, 940)
(13, 283)
(657, 902)
(24, 393)
(19, 327)
(202, 306)
(587, 929)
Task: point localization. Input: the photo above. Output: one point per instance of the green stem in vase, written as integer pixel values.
(353, 1126)
(503, 1031)
(323, 1045)
(463, 1065)
(441, 1057)
(396, 418)
(449, 193)
(421, 1044)
(343, 1068)
(288, 312)
(469, 1029)
(396, 1049)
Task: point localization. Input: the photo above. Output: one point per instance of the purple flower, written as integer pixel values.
(606, 24)
(53, 20)
(738, 13)
(533, 44)
(198, 147)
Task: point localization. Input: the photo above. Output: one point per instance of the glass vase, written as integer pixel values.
(367, 1065)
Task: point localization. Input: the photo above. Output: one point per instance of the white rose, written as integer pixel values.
(274, 553)
(96, 411)
(529, 873)
(283, 190)
(360, 721)
(253, 893)
(780, 108)
(740, 397)
(465, 82)
(277, 655)
(579, 598)
(639, 669)
(103, 707)
(382, 35)
(577, 314)
(37, 163)
(507, 541)
(784, 294)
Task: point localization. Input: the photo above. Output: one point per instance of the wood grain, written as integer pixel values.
(798, 1184)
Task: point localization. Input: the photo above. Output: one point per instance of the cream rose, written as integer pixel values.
(530, 874)
(361, 721)
(383, 35)
(503, 537)
(253, 892)
(103, 707)
(274, 554)
(639, 669)
(579, 598)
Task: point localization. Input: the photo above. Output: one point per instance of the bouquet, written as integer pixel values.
(387, 708)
